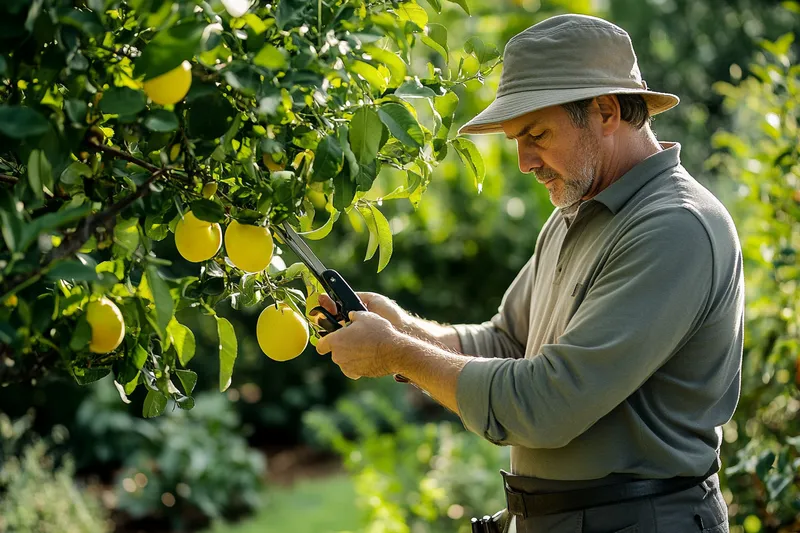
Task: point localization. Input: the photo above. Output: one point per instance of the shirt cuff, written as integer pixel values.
(473, 393)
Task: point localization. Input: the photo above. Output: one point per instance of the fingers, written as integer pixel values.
(326, 302)
(323, 345)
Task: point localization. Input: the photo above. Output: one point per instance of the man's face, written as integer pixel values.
(562, 157)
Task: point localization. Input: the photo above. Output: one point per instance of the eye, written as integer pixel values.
(538, 137)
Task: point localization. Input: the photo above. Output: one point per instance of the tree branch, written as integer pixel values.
(116, 152)
(8, 179)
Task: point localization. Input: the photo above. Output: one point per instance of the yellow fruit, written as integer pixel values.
(171, 87)
(248, 247)
(12, 301)
(209, 189)
(108, 327)
(197, 240)
(281, 332)
(272, 165)
(175, 152)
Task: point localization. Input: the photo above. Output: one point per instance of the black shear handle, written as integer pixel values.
(346, 300)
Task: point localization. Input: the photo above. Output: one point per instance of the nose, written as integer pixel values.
(529, 158)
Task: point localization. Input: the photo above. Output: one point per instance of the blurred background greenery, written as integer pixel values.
(295, 446)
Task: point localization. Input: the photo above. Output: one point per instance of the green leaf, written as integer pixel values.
(271, 57)
(370, 74)
(402, 124)
(126, 237)
(484, 52)
(154, 404)
(446, 104)
(161, 120)
(183, 340)
(139, 356)
(412, 12)
(169, 48)
(384, 237)
(85, 376)
(397, 68)
(19, 122)
(463, 4)
(436, 38)
(344, 188)
(328, 159)
(74, 270)
(11, 223)
(76, 110)
(369, 219)
(228, 348)
(81, 335)
(162, 299)
(367, 172)
(322, 231)
(188, 379)
(208, 210)
(47, 223)
(365, 134)
(209, 116)
(472, 160)
(122, 101)
(414, 89)
(40, 173)
(436, 5)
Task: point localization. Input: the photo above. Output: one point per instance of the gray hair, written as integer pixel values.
(632, 107)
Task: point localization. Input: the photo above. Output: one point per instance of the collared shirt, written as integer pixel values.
(617, 349)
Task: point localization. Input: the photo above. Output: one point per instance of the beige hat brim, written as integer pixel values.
(509, 106)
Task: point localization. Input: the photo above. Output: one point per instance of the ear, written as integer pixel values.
(608, 106)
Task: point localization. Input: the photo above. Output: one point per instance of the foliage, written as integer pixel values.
(39, 495)
(411, 477)
(175, 467)
(294, 109)
(760, 155)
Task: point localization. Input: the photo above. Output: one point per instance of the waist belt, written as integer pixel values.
(523, 504)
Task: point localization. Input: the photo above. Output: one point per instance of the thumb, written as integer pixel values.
(323, 345)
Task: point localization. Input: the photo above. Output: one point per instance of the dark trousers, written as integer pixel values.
(700, 509)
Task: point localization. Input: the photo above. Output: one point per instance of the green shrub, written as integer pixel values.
(39, 495)
(760, 156)
(412, 477)
(185, 467)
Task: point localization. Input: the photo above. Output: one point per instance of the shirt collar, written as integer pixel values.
(618, 193)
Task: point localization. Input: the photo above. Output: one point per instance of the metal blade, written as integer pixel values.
(298, 246)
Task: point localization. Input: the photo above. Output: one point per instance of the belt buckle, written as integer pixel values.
(515, 503)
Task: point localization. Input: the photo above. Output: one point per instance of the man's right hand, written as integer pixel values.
(375, 303)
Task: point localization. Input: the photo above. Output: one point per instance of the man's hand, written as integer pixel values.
(359, 348)
(375, 303)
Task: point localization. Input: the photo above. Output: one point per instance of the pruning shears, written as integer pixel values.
(338, 289)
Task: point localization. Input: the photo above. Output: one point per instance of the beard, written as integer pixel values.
(579, 177)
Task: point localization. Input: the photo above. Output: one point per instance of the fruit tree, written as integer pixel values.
(201, 124)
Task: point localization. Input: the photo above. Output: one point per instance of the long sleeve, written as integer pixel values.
(505, 335)
(644, 304)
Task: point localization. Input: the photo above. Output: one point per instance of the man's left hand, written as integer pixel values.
(360, 349)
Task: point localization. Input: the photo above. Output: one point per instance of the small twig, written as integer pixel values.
(8, 179)
(116, 152)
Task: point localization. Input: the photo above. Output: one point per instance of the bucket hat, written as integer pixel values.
(563, 59)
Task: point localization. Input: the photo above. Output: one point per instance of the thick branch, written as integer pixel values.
(8, 179)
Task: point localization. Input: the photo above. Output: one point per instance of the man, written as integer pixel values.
(615, 355)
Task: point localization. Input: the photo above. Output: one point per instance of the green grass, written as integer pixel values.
(326, 505)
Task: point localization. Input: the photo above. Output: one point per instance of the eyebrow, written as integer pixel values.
(524, 131)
